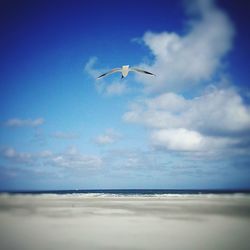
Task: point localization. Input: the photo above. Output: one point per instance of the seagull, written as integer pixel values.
(124, 70)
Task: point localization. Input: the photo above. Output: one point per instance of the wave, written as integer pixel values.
(126, 195)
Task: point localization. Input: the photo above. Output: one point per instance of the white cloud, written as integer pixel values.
(220, 111)
(17, 157)
(177, 139)
(184, 60)
(216, 119)
(109, 137)
(76, 161)
(16, 122)
(70, 158)
(168, 101)
(73, 159)
(181, 139)
(89, 68)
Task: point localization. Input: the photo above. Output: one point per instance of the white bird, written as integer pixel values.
(124, 70)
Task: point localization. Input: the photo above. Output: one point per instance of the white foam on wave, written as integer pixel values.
(129, 196)
(145, 196)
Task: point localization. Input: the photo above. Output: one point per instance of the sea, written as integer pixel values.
(133, 192)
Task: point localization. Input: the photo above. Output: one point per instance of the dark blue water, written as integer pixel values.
(127, 192)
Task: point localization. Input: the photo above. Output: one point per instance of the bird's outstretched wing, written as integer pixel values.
(110, 72)
(141, 71)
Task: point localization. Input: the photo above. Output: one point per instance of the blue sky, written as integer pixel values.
(189, 127)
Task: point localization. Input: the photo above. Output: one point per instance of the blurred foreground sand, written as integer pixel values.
(80, 222)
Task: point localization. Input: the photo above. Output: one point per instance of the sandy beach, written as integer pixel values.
(87, 222)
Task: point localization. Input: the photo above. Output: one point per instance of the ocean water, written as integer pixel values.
(136, 192)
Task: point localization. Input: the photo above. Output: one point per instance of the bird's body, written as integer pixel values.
(125, 70)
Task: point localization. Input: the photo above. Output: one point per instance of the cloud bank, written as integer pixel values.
(217, 112)
(215, 119)
(218, 118)
(182, 61)
(71, 158)
(17, 157)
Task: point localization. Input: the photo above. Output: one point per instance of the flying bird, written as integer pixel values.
(125, 70)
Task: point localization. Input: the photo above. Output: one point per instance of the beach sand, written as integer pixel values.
(82, 222)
